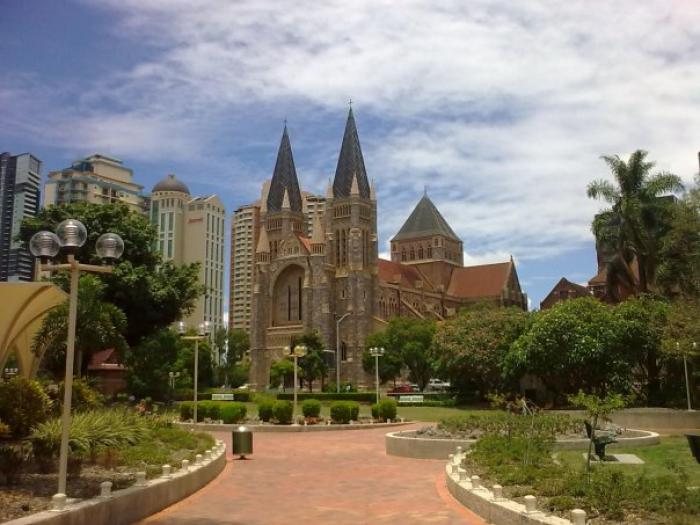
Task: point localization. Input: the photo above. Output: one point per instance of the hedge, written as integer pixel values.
(363, 397)
(344, 411)
(228, 411)
(265, 409)
(386, 409)
(311, 408)
(283, 412)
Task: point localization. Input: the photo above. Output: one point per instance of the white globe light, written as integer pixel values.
(72, 234)
(109, 246)
(44, 245)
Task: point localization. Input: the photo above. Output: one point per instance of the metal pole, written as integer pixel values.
(376, 373)
(68, 382)
(294, 415)
(337, 355)
(196, 373)
(687, 384)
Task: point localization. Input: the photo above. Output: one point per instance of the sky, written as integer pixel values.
(500, 109)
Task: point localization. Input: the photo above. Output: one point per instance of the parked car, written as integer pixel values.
(438, 384)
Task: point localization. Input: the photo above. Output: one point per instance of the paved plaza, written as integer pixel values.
(341, 477)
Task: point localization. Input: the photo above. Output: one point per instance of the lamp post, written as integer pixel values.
(337, 351)
(377, 352)
(299, 351)
(172, 376)
(202, 333)
(70, 236)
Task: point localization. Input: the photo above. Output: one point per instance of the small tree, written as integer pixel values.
(597, 409)
(389, 364)
(280, 372)
(312, 366)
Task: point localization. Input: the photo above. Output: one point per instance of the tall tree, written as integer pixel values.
(469, 349)
(149, 365)
(152, 294)
(637, 220)
(312, 366)
(389, 364)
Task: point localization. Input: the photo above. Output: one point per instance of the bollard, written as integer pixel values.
(497, 493)
(530, 504)
(58, 502)
(141, 479)
(185, 465)
(106, 489)
(401, 419)
(578, 517)
(198, 459)
(476, 482)
(166, 472)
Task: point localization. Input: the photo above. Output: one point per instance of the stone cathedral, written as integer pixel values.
(335, 278)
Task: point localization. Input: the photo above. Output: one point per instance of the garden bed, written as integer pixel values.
(94, 461)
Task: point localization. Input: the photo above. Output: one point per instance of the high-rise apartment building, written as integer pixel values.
(98, 179)
(191, 229)
(245, 227)
(19, 198)
(312, 205)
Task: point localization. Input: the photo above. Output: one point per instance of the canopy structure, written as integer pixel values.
(22, 310)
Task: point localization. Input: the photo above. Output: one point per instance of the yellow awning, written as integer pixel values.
(22, 310)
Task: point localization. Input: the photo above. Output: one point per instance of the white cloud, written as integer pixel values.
(502, 109)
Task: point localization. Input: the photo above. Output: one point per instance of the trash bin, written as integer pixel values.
(242, 442)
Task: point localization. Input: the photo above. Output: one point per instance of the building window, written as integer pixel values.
(403, 254)
(430, 252)
(343, 351)
(170, 248)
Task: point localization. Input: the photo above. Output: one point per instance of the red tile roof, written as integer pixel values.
(486, 280)
(390, 272)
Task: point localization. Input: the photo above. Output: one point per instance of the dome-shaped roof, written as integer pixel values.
(170, 183)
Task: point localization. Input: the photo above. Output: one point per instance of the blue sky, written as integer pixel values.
(501, 109)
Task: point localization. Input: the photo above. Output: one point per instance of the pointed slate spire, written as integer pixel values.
(372, 191)
(329, 189)
(350, 162)
(284, 179)
(425, 220)
(285, 200)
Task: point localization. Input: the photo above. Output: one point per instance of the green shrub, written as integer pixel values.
(341, 412)
(354, 410)
(232, 412)
(362, 397)
(375, 410)
(265, 409)
(210, 409)
(387, 409)
(311, 408)
(23, 404)
(85, 397)
(282, 412)
(186, 410)
(12, 460)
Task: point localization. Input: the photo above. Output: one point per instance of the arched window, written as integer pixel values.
(413, 254)
(420, 251)
(430, 251)
(403, 254)
(343, 351)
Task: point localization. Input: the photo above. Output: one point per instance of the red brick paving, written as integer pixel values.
(318, 478)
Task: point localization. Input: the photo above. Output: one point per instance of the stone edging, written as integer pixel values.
(136, 502)
(215, 427)
(492, 506)
(406, 446)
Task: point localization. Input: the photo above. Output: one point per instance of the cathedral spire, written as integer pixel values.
(354, 189)
(284, 179)
(372, 191)
(285, 200)
(350, 163)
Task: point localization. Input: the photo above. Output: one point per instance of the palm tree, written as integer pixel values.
(630, 231)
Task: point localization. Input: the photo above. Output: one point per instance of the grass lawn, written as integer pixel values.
(664, 459)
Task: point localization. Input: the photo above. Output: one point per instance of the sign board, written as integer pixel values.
(418, 398)
(222, 397)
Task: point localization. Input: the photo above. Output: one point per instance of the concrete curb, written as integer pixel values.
(215, 427)
(485, 503)
(134, 503)
(405, 445)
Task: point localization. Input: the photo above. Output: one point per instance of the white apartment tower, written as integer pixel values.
(191, 229)
(245, 227)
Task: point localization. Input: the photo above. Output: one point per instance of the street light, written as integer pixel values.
(70, 236)
(377, 352)
(337, 351)
(299, 351)
(202, 333)
(172, 377)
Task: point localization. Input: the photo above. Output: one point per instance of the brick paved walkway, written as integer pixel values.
(321, 478)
